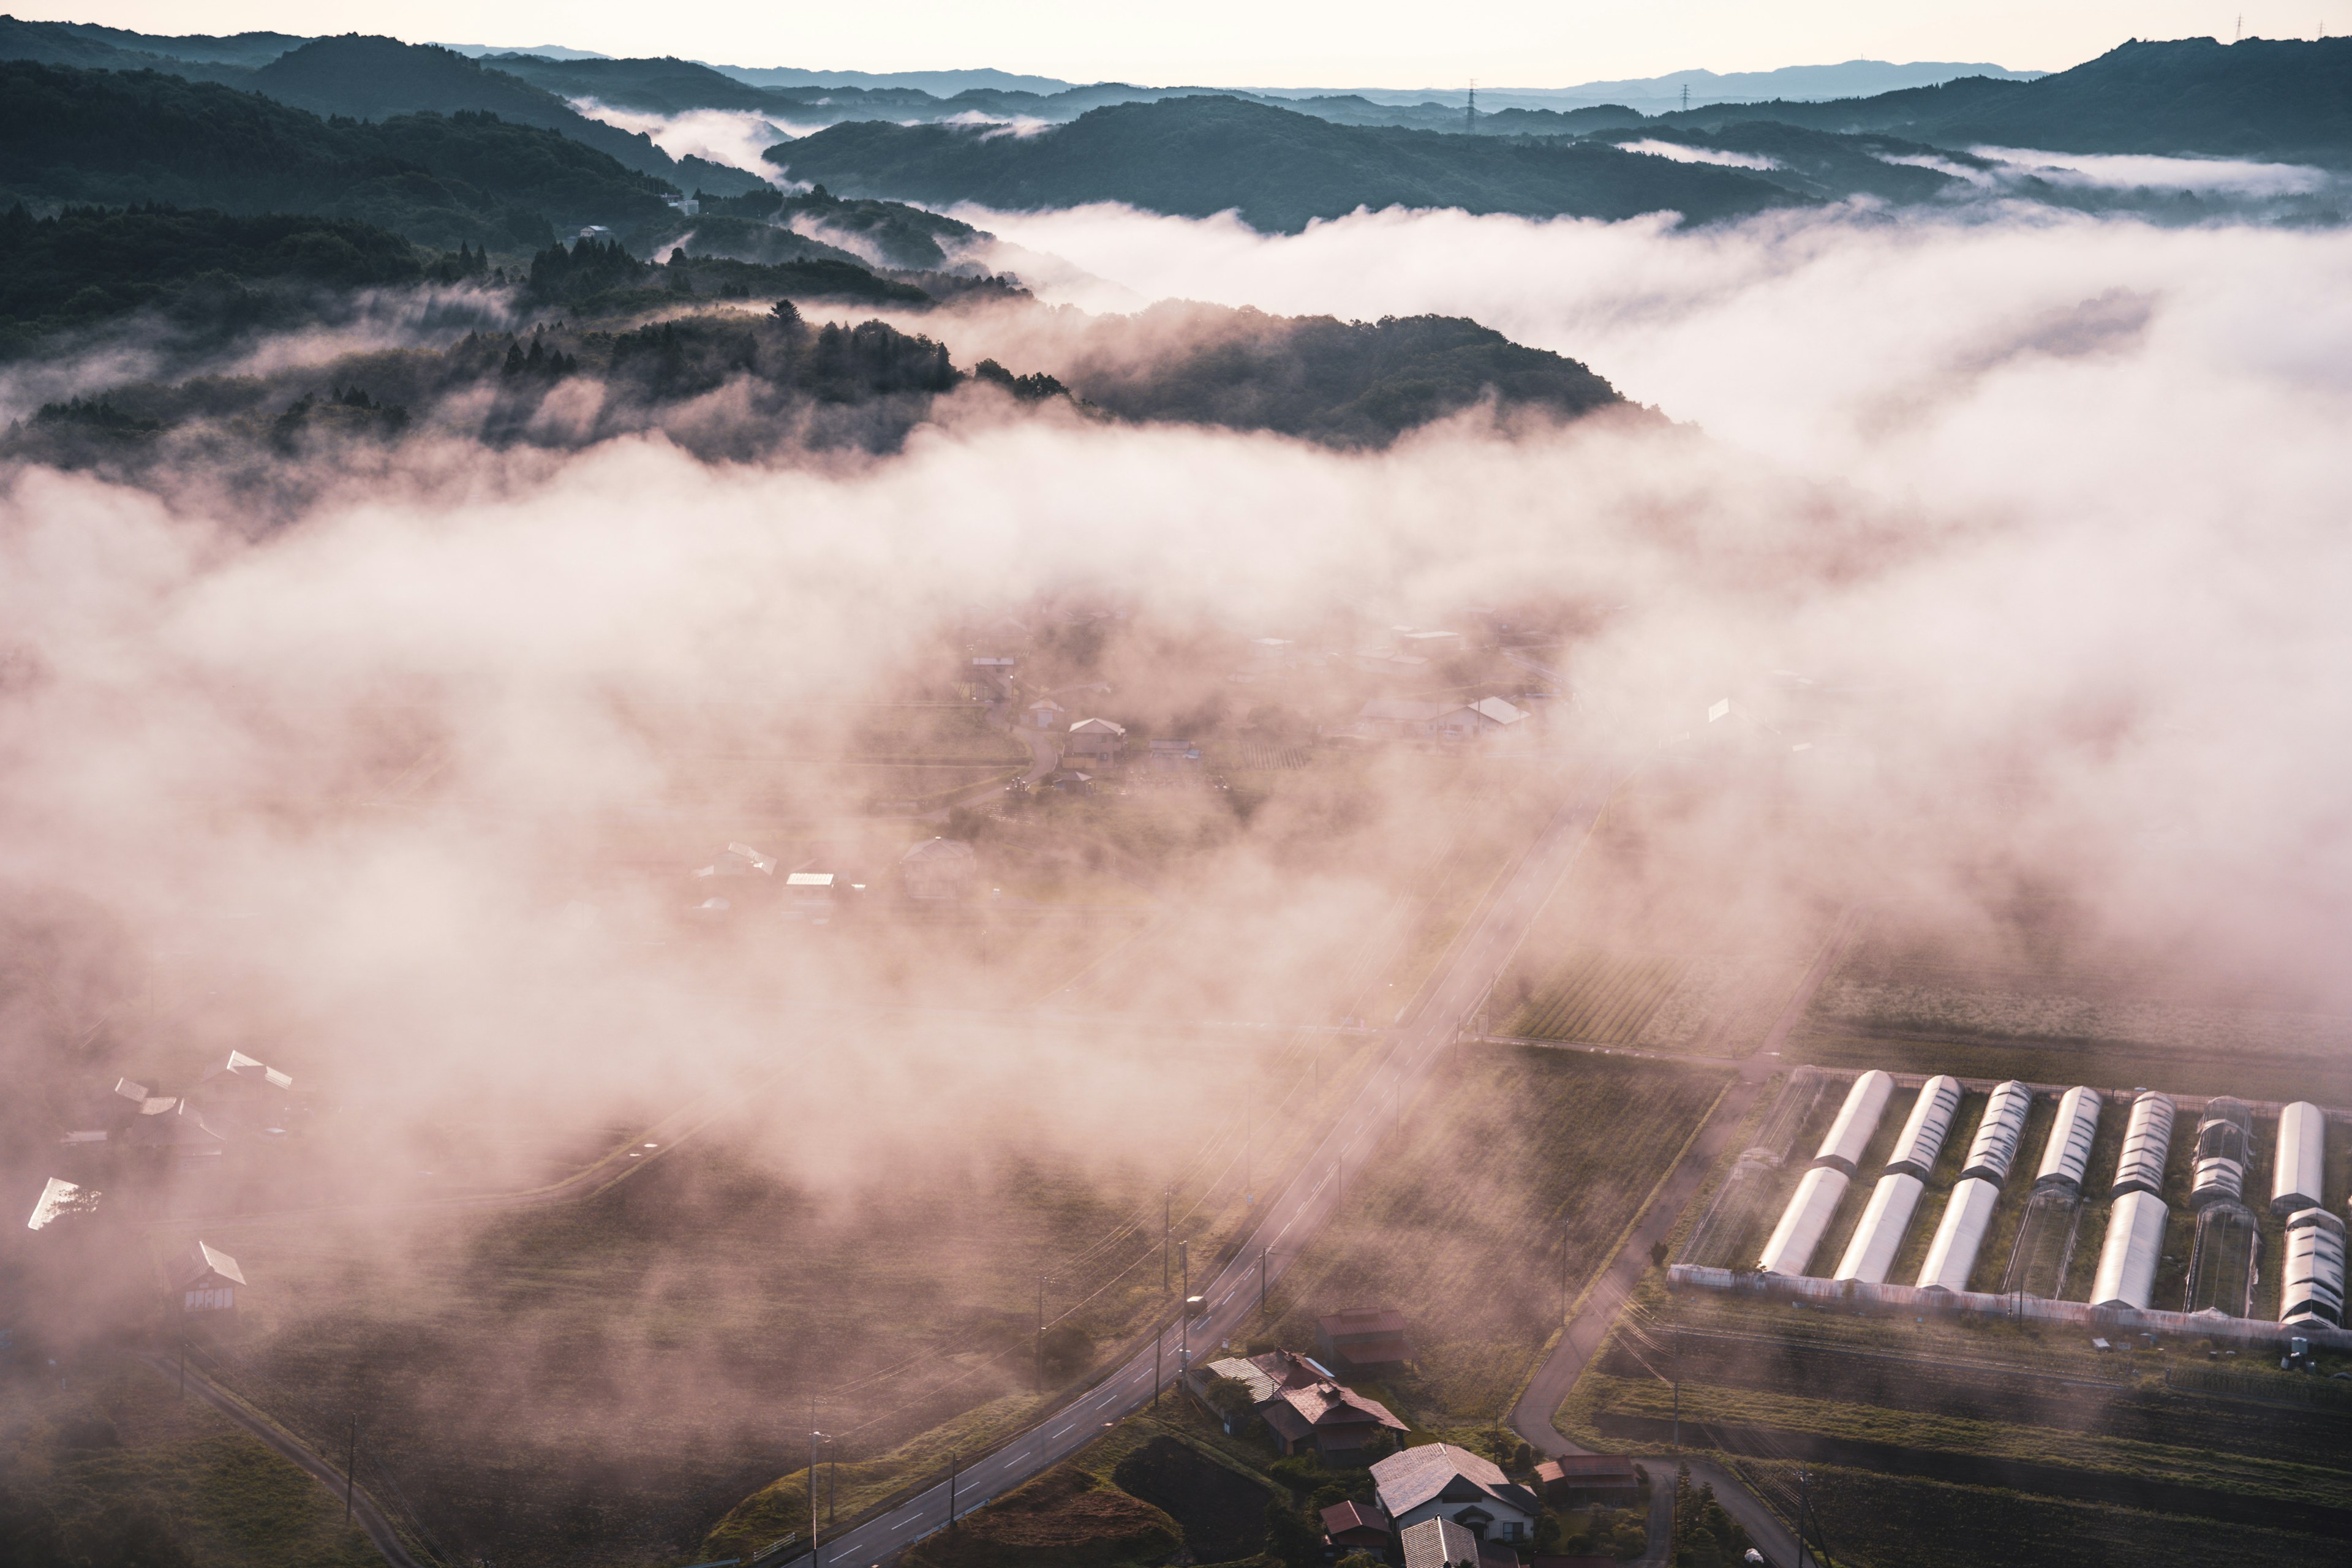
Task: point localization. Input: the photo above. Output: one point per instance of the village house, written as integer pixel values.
(1337, 1421)
(242, 1085)
(205, 1279)
(1362, 1338)
(1477, 721)
(809, 896)
(1095, 741)
(59, 1198)
(174, 1128)
(1586, 1480)
(1046, 714)
(1442, 1482)
(1439, 1543)
(1356, 1527)
(937, 870)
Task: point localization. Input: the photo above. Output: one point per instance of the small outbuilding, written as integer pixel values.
(1439, 1543)
(2299, 1174)
(1356, 1527)
(1044, 714)
(205, 1279)
(1590, 1480)
(1364, 1338)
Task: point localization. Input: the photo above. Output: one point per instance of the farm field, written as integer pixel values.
(2028, 1411)
(1462, 1227)
(604, 1382)
(125, 1468)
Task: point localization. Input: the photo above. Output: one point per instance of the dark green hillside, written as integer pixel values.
(2260, 98)
(374, 78)
(1822, 163)
(899, 236)
(109, 48)
(659, 87)
(87, 264)
(1196, 156)
(1345, 384)
(245, 49)
(116, 139)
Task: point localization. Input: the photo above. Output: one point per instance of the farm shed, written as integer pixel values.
(2225, 1136)
(1879, 1236)
(1959, 1235)
(1922, 1138)
(2297, 1179)
(937, 868)
(1803, 1221)
(1364, 1337)
(2066, 1157)
(1439, 1480)
(1581, 1481)
(1994, 1149)
(2127, 1258)
(2148, 1139)
(2311, 1289)
(1857, 1121)
(1488, 716)
(1356, 1527)
(205, 1278)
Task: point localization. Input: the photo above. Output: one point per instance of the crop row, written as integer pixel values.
(1598, 998)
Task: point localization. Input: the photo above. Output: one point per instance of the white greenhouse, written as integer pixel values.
(1804, 1220)
(2128, 1258)
(2225, 1136)
(1922, 1138)
(1998, 1135)
(2311, 1290)
(2066, 1157)
(1857, 1120)
(1879, 1236)
(2148, 1139)
(1952, 1256)
(2296, 1178)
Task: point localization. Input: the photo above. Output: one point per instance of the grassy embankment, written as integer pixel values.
(107, 1445)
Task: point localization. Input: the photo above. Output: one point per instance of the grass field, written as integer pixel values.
(1461, 1226)
(604, 1381)
(1598, 998)
(110, 1440)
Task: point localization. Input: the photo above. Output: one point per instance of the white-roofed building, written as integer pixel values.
(1477, 721)
(1097, 741)
(2066, 1155)
(1922, 1138)
(2225, 1136)
(58, 1199)
(2147, 1140)
(1439, 1480)
(2127, 1258)
(2298, 1177)
(205, 1279)
(2311, 1285)
(1879, 1236)
(2003, 1128)
(1857, 1121)
(1959, 1235)
(1802, 1223)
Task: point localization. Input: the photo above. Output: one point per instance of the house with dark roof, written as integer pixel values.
(1337, 1421)
(1442, 1482)
(1356, 1527)
(1364, 1337)
(175, 1128)
(1582, 1480)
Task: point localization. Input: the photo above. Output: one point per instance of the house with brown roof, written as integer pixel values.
(1364, 1337)
(1356, 1527)
(1582, 1480)
(1439, 1481)
(1337, 1421)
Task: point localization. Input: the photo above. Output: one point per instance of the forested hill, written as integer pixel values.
(2288, 100)
(1195, 157)
(115, 138)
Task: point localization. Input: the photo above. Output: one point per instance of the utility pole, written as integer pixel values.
(1803, 1477)
(816, 1557)
(951, 1463)
(1158, 1335)
(1261, 1278)
(1474, 103)
(1040, 1333)
(1563, 1271)
(1685, 98)
(1184, 1311)
(1167, 1209)
(351, 1466)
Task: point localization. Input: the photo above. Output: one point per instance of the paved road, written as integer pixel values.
(1291, 1217)
(363, 1509)
(1531, 1417)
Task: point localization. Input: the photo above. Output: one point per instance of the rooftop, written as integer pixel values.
(1439, 1543)
(1412, 1477)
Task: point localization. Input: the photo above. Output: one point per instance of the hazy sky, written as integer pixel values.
(1361, 43)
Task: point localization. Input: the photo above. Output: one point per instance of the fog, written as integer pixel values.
(2014, 539)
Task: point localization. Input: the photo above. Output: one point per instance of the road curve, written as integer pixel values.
(1291, 1217)
(364, 1507)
